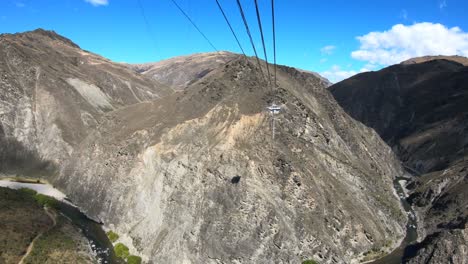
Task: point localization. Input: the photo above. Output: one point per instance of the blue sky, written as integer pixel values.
(321, 36)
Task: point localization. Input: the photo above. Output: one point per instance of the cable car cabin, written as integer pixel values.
(274, 109)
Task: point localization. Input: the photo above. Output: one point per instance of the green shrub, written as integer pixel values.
(45, 200)
(309, 262)
(133, 259)
(28, 191)
(121, 251)
(112, 236)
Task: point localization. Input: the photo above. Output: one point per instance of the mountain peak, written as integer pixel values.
(454, 58)
(194, 67)
(41, 33)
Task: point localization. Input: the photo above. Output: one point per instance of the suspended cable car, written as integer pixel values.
(274, 109)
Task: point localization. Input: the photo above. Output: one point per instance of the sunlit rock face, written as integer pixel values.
(195, 176)
(53, 93)
(420, 109)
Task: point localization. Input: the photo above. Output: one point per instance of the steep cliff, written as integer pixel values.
(421, 110)
(53, 93)
(181, 72)
(195, 176)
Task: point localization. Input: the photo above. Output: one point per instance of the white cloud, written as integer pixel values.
(98, 2)
(323, 60)
(404, 42)
(327, 50)
(336, 74)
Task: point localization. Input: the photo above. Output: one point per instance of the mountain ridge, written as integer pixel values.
(181, 71)
(40, 69)
(420, 110)
(456, 58)
(160, 170)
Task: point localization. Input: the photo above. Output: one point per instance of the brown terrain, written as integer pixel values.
(54, 93)
(181, 72)
(31, 234)
(191, 173)
(420, 108)
(178, 156)
(459, 59)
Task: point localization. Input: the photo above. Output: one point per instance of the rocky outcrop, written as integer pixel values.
(455, 58)
(420, 110)
(447, 246)
(196, 176)
(411, 107)
(180, 72)
(53, 93)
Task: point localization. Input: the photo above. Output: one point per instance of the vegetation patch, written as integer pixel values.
(45, 200)
(309, 261)
(121, 251)
(372, 254)
(61, 244)
(27, 191)
(112, 236)
(133, 259)
(22, 219)
(41, 199)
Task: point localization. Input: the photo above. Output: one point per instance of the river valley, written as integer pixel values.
(93, 231)
(396, 256)
(103, 248)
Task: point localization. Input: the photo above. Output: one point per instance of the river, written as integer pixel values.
(396, 256)
(92, 230)
(103, 248)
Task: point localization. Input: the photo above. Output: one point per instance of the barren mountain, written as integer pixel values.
(53, 93)
(28, 232)
(180, 72)
(421, 110)
(195, 176)
(459, 59)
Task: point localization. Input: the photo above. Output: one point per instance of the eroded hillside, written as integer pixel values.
(195, 176)
(421, 110)
(54, 93)
(200, 172)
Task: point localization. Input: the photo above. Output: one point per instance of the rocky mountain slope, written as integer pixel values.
(195, 176)
(180, 72)
(458, 59)
(421, 110)
(53, 93)
(210, 184)
(31, 234)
